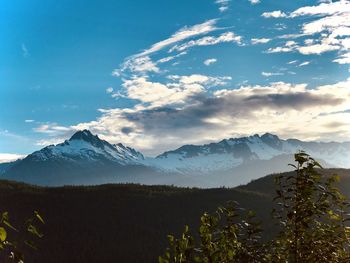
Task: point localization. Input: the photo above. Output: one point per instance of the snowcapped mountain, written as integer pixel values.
(83, 159)
(231, 153)
(84, 146)
(87, 159)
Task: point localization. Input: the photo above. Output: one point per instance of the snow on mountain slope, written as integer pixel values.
(86, 159)
(198, 164)
(83, 146)
(233, 152)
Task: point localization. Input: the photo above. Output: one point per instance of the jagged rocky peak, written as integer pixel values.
(86, 135)
(272, 140)
(270, 136)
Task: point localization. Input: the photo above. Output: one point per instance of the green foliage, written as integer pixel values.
(230, 235)
(9, 246)
(311, 213)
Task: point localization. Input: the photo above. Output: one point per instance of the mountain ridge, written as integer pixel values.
(87, 159)
(242, 150)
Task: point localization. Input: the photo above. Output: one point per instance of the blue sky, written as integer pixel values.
(157, 74)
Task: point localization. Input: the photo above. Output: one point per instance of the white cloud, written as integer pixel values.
(209, 61)
(208, 81)
(323, 9)
(304, 63)
(115, 73)
(223, 8)
(141, 65)
(273, 88)
(345, 43)
(328, 23)
(169, 58)
(317, 49)
(270, 74)
(10, 157)
(292, 62)
(223, 5)
(330, 20)
(274, 14)
(309, 41)
(51, 141)
(343, 59)
(254, 2)
(182, 34)
(29, 121)
(256, 41)
(109, 90)
(52, 129)
(208, 41)
(340, 31)
(289, 46)
(178, 91)
(283, 108)
(158, 94)
(166, 59)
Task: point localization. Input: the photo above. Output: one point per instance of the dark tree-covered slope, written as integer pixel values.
(124, 223)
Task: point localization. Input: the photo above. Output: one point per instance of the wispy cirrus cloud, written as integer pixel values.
(256, 41)
(209, 61)
(184, 33)
(254, 2)
(305, 63)
(109, 90)
(25, 52)
(223, 5)
(274, 14)
(142, 63)
(270, 74)
(209, 41)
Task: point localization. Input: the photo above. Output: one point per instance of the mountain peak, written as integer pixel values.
(82, 135)
(270, 136)
(87, 136)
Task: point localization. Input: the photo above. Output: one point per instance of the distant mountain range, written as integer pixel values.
(86, 159)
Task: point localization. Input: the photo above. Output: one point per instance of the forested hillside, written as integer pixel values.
(125, 223)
